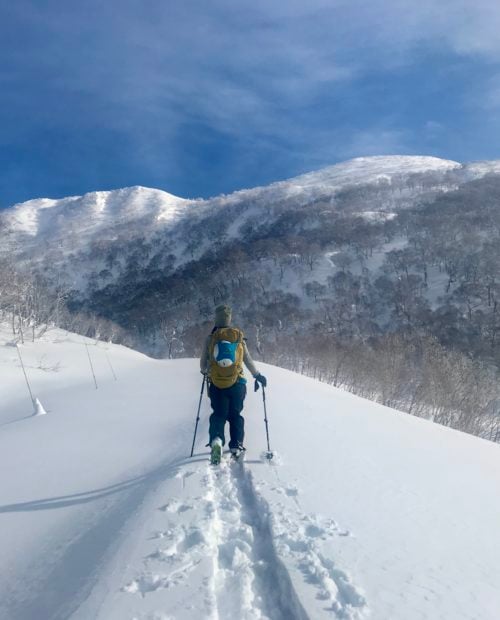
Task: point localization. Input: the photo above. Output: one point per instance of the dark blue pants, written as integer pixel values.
(227, 405)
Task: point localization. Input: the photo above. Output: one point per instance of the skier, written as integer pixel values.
(221, 362)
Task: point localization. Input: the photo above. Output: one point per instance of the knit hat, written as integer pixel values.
(222, 316)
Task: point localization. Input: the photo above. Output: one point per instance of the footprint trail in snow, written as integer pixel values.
(220, 552)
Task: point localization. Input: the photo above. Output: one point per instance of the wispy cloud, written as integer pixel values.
(377, 141)
(294, 81)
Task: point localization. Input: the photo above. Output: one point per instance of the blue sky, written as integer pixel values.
(200, 98)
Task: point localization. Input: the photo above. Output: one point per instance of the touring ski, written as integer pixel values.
(216, 453)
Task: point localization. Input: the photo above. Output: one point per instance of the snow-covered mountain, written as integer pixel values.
(75, 223)
(342, 266)
(363, 513)
(358, 171)
(103, 239)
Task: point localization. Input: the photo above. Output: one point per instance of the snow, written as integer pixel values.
(376, 216)
(478, 169)
(361, 170)
(370, 169)
(72, 235)
(71, 224)
(363, 512)
(39, 408)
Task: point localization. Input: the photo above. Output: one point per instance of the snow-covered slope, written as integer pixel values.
(364, 512)
(75, 241)
(478, 169)
(360, 170)
(75, 222)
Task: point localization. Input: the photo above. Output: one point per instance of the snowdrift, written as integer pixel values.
(363, 512)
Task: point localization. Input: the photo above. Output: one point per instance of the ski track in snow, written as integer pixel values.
(247, 563)
(102, 518)
(244, 556)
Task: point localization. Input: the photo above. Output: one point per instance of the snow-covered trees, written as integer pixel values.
(365, 273)
(27, 302)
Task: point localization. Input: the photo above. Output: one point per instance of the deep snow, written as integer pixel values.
(363, 512)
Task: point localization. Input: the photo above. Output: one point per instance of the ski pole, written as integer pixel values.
(198, 415)
(269, 454)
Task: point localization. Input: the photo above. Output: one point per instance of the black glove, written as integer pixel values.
(260, 379)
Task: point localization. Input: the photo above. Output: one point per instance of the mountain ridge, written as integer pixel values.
(345, 268)
(98, 213)
(395, 164)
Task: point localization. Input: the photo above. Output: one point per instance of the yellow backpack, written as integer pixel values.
(226, 356)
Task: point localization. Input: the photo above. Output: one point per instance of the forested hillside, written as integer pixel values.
(379, 275)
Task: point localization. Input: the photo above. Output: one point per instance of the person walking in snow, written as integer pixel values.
(221, 361)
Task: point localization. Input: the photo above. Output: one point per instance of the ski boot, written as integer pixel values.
(216, 451)
(238, 452)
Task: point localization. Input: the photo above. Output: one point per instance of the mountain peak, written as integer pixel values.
(93, 210)
(110, 213)
(367, 169)
(357, 171)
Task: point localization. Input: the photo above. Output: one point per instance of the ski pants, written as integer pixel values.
(227, 405)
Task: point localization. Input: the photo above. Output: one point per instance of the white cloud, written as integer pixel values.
(376, 141)
(248, 68)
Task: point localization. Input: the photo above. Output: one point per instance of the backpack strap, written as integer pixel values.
(241, 336)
